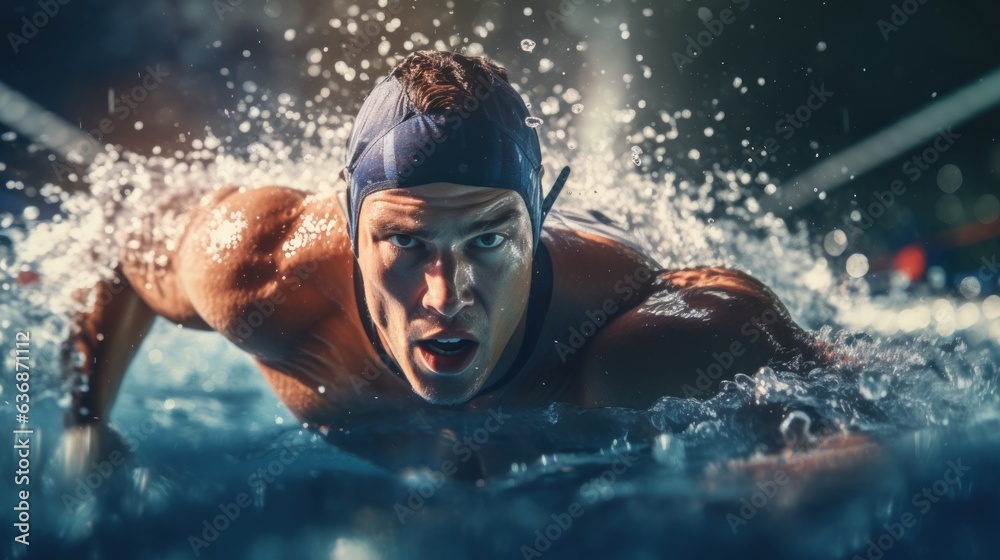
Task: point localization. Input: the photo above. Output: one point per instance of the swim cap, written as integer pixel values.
(484, 142)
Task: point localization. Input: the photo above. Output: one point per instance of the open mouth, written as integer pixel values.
(447, 355)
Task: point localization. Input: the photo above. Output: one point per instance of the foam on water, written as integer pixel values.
(217, 403)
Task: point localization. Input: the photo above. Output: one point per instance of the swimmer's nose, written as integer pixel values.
(449, 286)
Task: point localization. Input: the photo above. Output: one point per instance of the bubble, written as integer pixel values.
(937, 277)
(669, 451)
(533, 122)
(272, 9)
(795, 428)
(991, 307)
(857, 265)
(873, 386)
(970, 287)
(949, 209)
(527, 45)
(949, 178)
(987, 208)
(835, 243)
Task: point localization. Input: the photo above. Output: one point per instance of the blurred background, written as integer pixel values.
(767, 91)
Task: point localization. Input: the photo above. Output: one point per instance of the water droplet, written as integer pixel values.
(873, 386)
(636, 159)
(636, 150)
(577, 108)
(533, 122)
(795, 428)
(669, 451)
(527, 45)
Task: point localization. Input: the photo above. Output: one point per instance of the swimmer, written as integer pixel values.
(436, 275)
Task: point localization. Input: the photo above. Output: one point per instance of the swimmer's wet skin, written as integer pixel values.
(427, 279)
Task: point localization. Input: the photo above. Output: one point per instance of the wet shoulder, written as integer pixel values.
(598, 270)
(593, 259)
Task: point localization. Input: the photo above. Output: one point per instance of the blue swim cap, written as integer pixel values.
(484, 142)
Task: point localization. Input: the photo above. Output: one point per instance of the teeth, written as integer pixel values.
(448, 340)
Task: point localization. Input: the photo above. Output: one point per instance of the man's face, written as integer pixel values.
(447, 271)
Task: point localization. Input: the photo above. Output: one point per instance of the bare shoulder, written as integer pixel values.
(717, 278)
(259, 252)
(698, 327)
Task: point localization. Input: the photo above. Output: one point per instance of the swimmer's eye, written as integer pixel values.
(489, 240)
(403, 241)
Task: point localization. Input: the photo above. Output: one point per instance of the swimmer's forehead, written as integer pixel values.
(414, 206)
(444, 194)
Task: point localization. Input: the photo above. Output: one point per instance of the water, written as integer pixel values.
(831, 464)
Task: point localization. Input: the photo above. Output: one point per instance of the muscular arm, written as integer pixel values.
(232, 257)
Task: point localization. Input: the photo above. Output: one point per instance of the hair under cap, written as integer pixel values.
(483, 142)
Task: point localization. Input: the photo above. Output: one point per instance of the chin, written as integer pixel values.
(445, 392)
